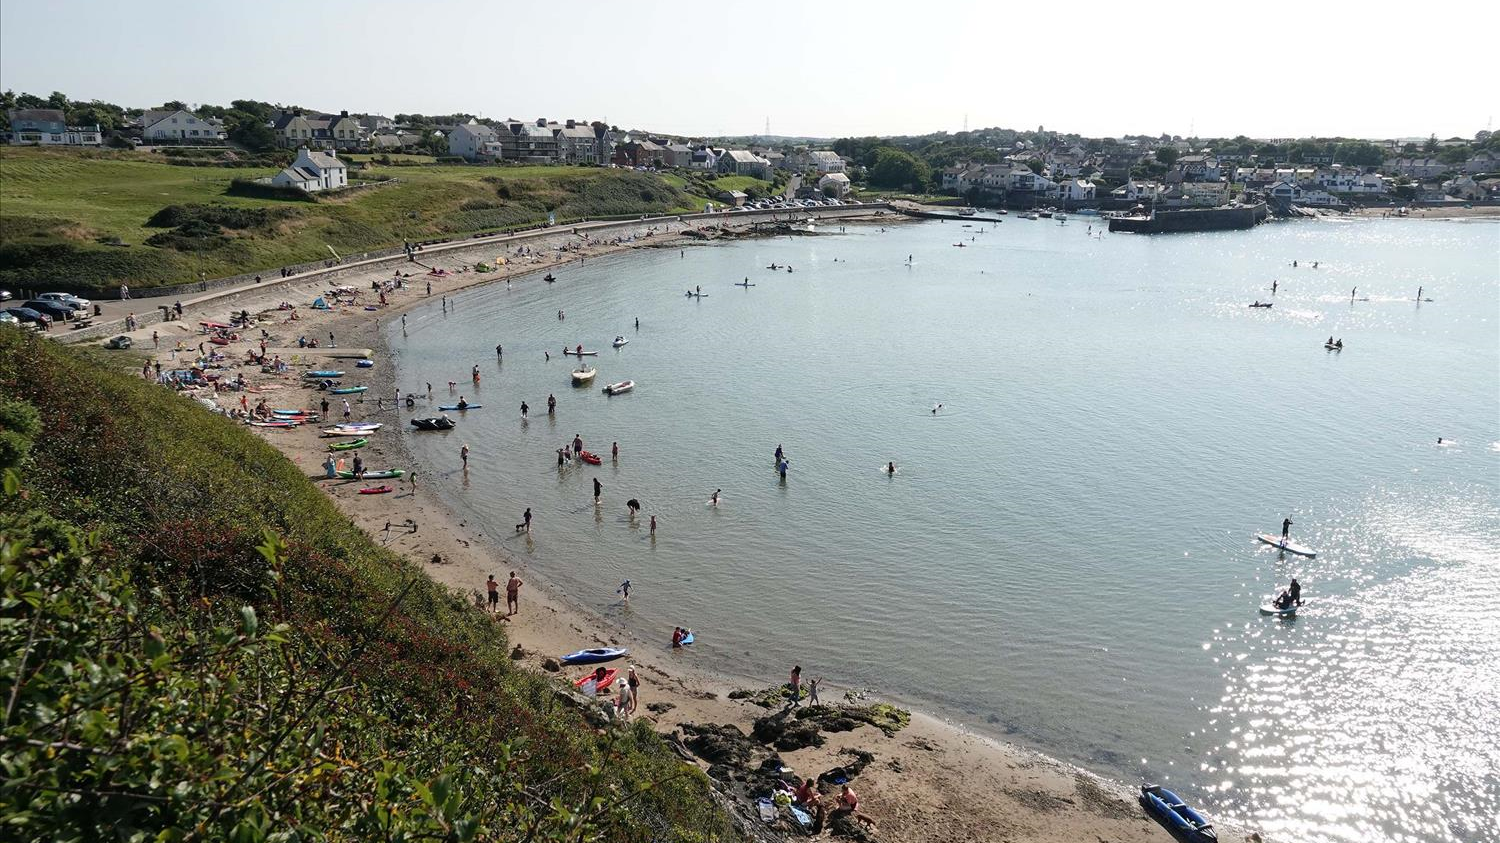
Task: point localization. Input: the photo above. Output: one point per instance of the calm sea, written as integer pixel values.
(1064, 557)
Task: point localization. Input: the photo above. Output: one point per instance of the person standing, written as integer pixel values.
(1295, 591)
(124, 293)
(634, 681)
(577, 444)
(325, 408)
(525, 521)
(347, 409)
(513, 592)
(156, 338)
(614, 451)
(624, 590)
(463, 454)
(551, 404)
(524, 409)
(493, 588)
(653, 526)
(331, 343)
(812, 691)
(598, 487)
(796, 686)
(1286, 528)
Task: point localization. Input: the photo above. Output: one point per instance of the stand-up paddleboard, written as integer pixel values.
(741, 284)
(1287, 545)
(1270, 609)
(452, 407)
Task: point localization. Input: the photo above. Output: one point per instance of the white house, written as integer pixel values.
(474, 141)
(825, 161)
(1136, 190)
(1078, 190)
(314, 171)
(834, 184)
(47, 127)
(1286, 191)
(178, 127)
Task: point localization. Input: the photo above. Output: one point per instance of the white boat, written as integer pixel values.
(619, 341)
(1030, 215)
(1060, 216)
(618, 388)
(582, 375)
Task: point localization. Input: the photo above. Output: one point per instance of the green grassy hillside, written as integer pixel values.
(80, 219)
(194, 644)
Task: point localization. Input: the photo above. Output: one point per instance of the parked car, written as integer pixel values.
(58, 311)
(5, 295)
(30, 317)
(67, 300)
(7, 319)
(121, 342)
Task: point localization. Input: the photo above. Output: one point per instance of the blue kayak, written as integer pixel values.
(596, 655)
(460, 409)
(1175, 815)
(323, 373)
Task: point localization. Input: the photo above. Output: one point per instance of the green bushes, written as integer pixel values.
(198, 644)
(224, 216)
(252, 189)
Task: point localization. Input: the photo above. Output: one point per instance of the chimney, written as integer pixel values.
(344, 113)
(541, 121)
(569, 124)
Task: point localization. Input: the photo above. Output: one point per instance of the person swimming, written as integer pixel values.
(890, 468)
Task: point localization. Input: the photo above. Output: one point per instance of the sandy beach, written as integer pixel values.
(930, 781)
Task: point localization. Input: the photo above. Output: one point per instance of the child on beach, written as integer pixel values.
(624, 589)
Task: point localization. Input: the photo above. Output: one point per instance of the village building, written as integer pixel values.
(474, 141)
(179, 126)
(314, 171)
(49, 127)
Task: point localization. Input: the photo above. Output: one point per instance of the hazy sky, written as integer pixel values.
(1269, 69)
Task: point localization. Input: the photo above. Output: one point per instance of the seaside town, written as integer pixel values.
(383, 475)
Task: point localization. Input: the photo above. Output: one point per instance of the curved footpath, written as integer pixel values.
(931, 782)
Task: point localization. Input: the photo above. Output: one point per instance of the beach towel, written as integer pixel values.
(767, 810)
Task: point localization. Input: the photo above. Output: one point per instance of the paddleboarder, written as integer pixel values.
(1286, 528)
(1295, 591)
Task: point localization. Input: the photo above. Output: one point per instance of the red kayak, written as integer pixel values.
(218, 341)
(609, 676)
(218, 325)
(376, 490)
(590, 458)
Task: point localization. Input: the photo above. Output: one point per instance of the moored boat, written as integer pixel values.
(618, 388)
(583, 375)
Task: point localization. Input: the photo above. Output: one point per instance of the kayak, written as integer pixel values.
(1287, 545)
(595, 655)
(386, 474)
(460, 409)
(437, 423)
(282, 424)
(347, 390)
(365, 364)
(619, 342)
(1183, 822)
(609, 677)
(1270, 609)
(590, 457)
(376, 490)
(686, 639)
(357, 426)
(742, 284)
(581, 353)
(294, 412)
(323, 373)
(348, 446)
(333, 431)
(617, 388)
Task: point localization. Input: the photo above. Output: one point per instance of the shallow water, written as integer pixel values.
(1064, 557)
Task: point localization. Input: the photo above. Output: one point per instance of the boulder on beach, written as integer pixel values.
(787, 733)
(717, 744)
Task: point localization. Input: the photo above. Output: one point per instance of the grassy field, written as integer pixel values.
(80, 220)
(741, 183)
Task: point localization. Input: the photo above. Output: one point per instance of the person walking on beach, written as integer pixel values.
(325, 408)
(796, 686)
(1286, 527)
(331, 343)
(513, 591)
(493, 588)
(124, 293)
(347, 409)
(812, 691)
(463, 454)
(598, 487)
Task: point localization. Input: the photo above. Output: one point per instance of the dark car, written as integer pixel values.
(29, 316)
(57, 310)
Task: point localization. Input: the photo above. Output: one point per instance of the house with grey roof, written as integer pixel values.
(314, 171)
(474, 141)
(741, 162)
(178, 126)
(49, 127)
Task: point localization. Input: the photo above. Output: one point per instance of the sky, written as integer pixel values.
(819, 69)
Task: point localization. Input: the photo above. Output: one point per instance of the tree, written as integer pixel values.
(252, 134)
(1167, 155)
(896, 168)
(1431, 145)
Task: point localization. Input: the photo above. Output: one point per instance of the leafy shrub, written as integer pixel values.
(224, 216)
(252, 189)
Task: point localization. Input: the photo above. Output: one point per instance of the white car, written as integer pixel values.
(68, 300)
(7, 319)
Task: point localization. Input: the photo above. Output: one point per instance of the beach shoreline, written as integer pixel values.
(931, 781)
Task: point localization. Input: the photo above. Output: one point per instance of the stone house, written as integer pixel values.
(742, 162)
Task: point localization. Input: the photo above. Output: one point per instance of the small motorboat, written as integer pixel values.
(590, 457)
(595, 655)
(1047, 214)
(377, 490)
(365, 364)
(619, 341)
(618, 388)
(434, 423)
(583, 375)
(1030, 215)
(1175, 815)
(1060, 216)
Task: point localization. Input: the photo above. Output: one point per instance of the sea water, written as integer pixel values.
(1064, 556)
